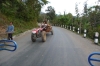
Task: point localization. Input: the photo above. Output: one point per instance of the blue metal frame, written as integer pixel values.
(11, 45)
(93, 59)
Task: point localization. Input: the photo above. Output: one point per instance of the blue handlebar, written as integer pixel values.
(93, 59)
(11, 45)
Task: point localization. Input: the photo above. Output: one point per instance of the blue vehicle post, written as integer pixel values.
(2, 43)
(90, 59)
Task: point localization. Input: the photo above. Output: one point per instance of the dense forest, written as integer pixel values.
(25, 14)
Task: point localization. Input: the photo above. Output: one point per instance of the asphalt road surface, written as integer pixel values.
(64, 48)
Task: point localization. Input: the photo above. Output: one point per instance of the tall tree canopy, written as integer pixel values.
(50, 12)
(26, 10)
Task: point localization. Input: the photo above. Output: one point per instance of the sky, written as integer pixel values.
(68, 5)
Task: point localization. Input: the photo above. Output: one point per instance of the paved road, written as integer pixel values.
(64, 48)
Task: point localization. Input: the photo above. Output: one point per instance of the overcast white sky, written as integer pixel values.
(68, 5)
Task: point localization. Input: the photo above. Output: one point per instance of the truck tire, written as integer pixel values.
(33, 37)
(43, 36)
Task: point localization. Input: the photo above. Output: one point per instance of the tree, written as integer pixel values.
(85, 18)
(26, 10)
(77, 14)
(94, 15)
(50, 13)
(41, 17)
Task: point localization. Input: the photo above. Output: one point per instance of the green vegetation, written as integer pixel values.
(26, 13)
(89, 19)
(23, 13)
